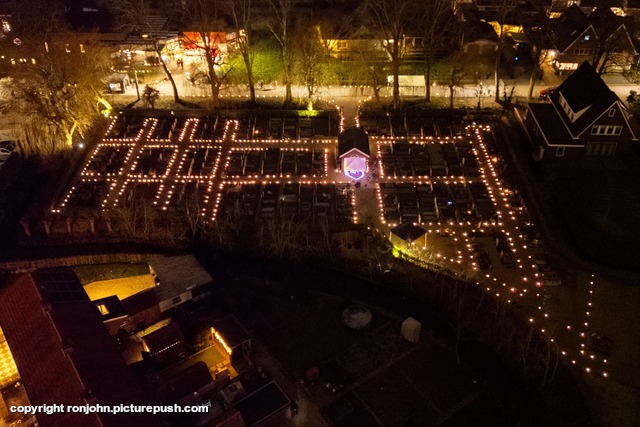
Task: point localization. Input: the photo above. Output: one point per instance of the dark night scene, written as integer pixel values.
(320, 213)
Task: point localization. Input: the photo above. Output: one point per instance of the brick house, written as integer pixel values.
(582, 118)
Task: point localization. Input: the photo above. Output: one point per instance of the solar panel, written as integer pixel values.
(61, 286)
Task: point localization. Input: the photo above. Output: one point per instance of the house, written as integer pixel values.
(354, 152)
(582, 118)
(178, 279)
(113, 313)
(408, 235)
(165, 344)
(602, 38)
(63, 352)
(232, 336)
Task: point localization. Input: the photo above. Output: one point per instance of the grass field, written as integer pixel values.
(600, 203)
(93, 273)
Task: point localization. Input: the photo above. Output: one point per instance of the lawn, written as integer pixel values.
(97, 272)
(600, 205)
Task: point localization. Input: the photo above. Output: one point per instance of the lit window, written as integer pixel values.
(81, 48)
(67, 48)
(103, 309)
(587, 37)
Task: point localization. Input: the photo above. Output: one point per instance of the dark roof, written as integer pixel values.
(112, 308)
(353, 137)
(164, 338)
(232, 331)
(59, 286)
(567, 27)
(551, 124)
(177, 274)
(64, 353)
(408, 231)
(190, 380)
(476, 29)
(262, 404)
(144, 300)
(583, 88)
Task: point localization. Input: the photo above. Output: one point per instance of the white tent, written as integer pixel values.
(411, 329)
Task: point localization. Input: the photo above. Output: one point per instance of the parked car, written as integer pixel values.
(544, 93)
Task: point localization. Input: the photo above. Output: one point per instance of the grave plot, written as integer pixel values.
(420, 159)
(482, 204)
(126, 126)
(87, 193)
(210, 128)
(107, 159)
(275, 162)
(154, 161)
(237, 200)
(189, 196)
(135, 193)
(429, 203)
(199, 162)
(294, 201)
(171, 128)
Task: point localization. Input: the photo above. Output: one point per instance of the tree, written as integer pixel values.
(441, 19)
(390, 20)
(374, 73)
(240, 13)
(505, 8)
(205, 19)
(56, 92)
(614, 47)
(281, 27)
(457, 73)
(137, 16)
(311, 57)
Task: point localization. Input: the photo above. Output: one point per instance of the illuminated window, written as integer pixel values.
(587, 37)
(81, 48)
(67, 48)
(103, 309)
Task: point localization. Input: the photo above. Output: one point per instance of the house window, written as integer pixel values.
(587, 37)
(606, 130)
(559, 151)
(67, 48)
(603, 149)
(104, 310)
(81, 48)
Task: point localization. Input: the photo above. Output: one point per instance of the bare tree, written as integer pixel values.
(457, 73)
(281, 28)
(311, 57)
(615, 51)
(205, 19)
(440, 19)
(505, 8)
(137, 16)
(240, 13)
(390, 20)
